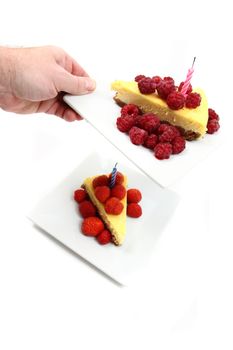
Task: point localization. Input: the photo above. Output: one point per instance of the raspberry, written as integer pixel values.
(156, 79)
(176, 130)
(175, 100)
(139, 77)
(163, 150)
(169, 134)
(134, 210)
(151, 141)
(165, 87)
(101, 180)
(80, 195)
(133, 195)
(178, 145)
(149, 122)
(102, 193)
(193, 100)
(213, 114)
(137, 135)
(92, 226)
(124, 124)
(146, 86)
(119, 178)
(113, 206)
(189, 88)
(130, 110)
(163, 127)
(104, 237)
(118, 191)
(86, 209)
(212, 126)
(169, 80)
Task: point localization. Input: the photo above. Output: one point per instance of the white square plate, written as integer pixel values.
(101, 112)
(57, 214)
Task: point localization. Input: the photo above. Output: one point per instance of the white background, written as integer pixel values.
(50, 298)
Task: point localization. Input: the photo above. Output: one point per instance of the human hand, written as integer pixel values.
(35, 80)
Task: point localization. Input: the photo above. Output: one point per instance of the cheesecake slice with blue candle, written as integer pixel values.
(106, 192)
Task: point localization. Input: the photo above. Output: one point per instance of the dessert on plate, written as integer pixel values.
(116, 223)
(104, 202)
(161, 116)
(193, 121)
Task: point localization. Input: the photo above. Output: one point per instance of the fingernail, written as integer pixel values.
(90, 84)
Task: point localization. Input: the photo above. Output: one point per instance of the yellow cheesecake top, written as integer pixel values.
(115, 223)
(191, 119)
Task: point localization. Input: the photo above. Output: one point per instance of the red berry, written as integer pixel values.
(113, 206)
(102, 193)
(92, 226)
(162, 127)
(133, 195)
(178, 145)
(212, 126)
(101, 180)
(119, 178)
(169, 79)
(175, 100)
(151, 141)
(193, 100)
(165, 87)
(212, 114)
(118, 191)
(137, 135)
(80, 195)
(124, 124)
(149, 122)
(87, 208)
(189, 88)
(146, 86)
(130, 110)
(104, 237)
(169, 134)
(156, 79)
(176, 130)
(134, 210)
(163, 150)
(139, 77)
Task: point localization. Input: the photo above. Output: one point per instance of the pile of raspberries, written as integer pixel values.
(167, 91)
(92, 224)
(147, 130)
(162, 138)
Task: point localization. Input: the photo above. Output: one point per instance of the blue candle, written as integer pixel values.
(113, 176)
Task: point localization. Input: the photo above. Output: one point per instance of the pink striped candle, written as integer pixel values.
(188, 79)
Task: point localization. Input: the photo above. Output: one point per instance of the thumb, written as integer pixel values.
(75, 85)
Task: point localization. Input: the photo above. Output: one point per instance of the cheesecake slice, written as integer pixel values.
(191, 121)
(116, 224)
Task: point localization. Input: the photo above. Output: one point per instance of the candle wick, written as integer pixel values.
(115, 165)
(194, 61)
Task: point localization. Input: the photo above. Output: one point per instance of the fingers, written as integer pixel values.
(70, 76)
(69, 115)
(69, 63)
(59, 108)
(76, 69)
(73, 84)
